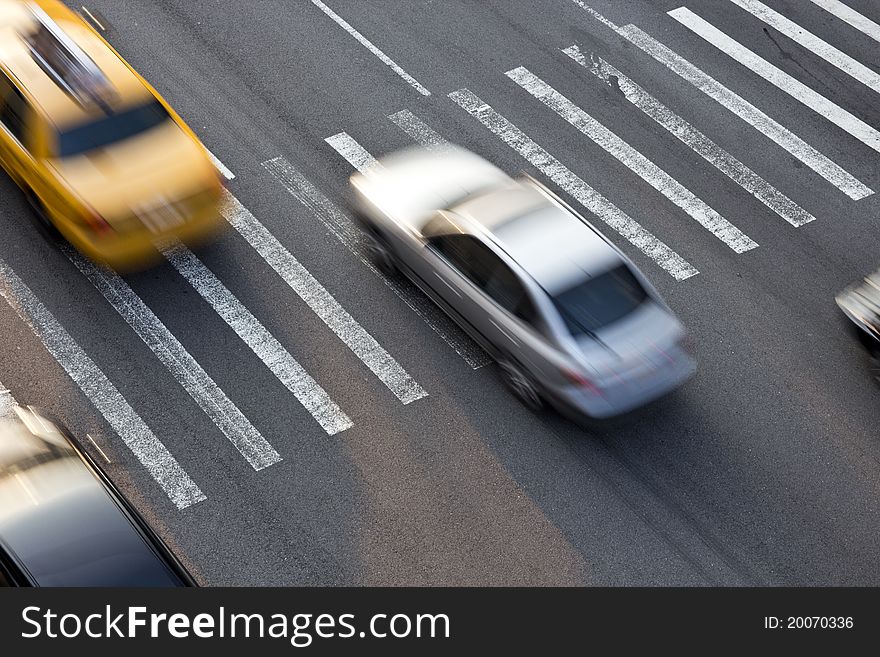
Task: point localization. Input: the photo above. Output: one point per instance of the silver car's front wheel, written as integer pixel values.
(381, 255)
(520, 384)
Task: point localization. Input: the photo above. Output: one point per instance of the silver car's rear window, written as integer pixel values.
(600, 300)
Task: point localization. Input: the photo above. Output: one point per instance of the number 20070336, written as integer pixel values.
(808, 622)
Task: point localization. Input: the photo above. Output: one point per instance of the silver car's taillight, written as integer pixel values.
(580, 380)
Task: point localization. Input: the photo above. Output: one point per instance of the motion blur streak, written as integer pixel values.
(344, 229)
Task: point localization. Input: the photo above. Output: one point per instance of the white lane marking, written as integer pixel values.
(810, 41)
(266, 347)
(222, 168)
(796, 146)
(177, 360)
(136, 435)
(338, 223)
(665, 257)
(373, 49)
(100, 451)
(851, 16)
(418, 130)
(7, 404)
(322, 303)
(780, 79)
(595, 14)
(790, 142)
(94, 19)
(347, 147)
(644, 168)
(696, 140)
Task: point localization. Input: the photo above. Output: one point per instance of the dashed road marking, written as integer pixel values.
(415, 84)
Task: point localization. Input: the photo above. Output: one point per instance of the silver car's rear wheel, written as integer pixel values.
(380, 254)
(520, 384)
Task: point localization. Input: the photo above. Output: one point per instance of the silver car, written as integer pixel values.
(860, 302)
(569, 319)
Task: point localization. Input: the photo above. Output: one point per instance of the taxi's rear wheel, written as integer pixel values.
(41, 219)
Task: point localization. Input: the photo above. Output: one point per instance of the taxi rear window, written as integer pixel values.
(111, 129)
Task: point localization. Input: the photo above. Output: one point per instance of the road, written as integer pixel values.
(762, 470)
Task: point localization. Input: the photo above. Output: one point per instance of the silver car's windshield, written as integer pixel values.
(600, 300)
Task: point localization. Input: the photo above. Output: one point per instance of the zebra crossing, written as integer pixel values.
(258, 450)
(106, 398)
(254, 448)
(650, 172)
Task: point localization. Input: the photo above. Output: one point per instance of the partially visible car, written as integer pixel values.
(568, 317)
(860, 302)
(63, 523)
(104, 161)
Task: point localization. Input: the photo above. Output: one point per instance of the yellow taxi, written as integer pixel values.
(102, 158)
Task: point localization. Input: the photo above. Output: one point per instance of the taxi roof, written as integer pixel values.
(53, 102)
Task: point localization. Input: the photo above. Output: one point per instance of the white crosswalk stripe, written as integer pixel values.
(137, 436)
(7, 403)
(797, 147)
(222, 168)
(177, 360)
(353, 152)
(659, 252)
(767, 126)
(322, 303)
(418, 130)
(696, 140)
(673, 190)
(264, 345)
(811, 42)
(345, 230)
(780, 79)
(851, 16)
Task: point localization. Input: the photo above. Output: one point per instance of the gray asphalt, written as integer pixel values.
(762, 470)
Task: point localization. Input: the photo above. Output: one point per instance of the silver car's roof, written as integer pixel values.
(551, 244)
(408, 184)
